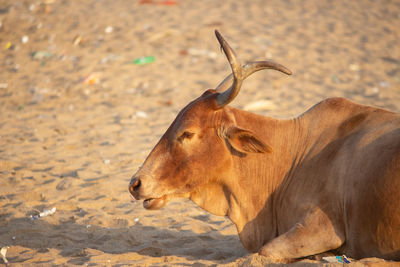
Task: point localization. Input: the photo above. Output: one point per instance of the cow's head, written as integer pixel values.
(198, 146)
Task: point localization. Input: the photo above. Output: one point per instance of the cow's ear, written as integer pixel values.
(245, 141)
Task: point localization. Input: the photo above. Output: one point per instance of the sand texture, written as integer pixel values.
(78, 117)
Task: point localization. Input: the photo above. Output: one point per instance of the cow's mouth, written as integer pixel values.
(159, 203)
(155, 203)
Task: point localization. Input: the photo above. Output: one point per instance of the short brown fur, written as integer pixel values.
(328, 180)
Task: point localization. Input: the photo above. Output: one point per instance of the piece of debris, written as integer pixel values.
(25, 39)
(109, 29)
(141, 114)
(92, 78)
(3, 253)
(44, 213)
(9, 46)
(144, 60)
(78, 39)
(335, 259)
(40, 55)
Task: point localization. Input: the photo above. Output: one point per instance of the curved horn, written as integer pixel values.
(240, 73)
(227, 96)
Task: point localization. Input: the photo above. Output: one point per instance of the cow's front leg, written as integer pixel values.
(314, 235)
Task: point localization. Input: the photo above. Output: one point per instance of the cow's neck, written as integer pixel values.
(246, 195)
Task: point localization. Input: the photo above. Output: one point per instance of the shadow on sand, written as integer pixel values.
(73, 241)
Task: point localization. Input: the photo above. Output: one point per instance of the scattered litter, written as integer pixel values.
(136, 220)
(25, 39)
(334, 259)
(78, 40)
(20, 107)
(14, 237)
(109, 29)
(9, 46)
(3, 85)
(3, 253)
(107, 161)
(40, 55)
(88, 226)
(260, 105)
(201, 52)
(144, 60)
(48, 212)
(93, 78)
(141, 114)
(44, 213)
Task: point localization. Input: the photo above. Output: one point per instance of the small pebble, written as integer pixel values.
(141, 114)
(109, 29)
(24, 39)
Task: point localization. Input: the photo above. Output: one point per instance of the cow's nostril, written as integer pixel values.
(134, 185)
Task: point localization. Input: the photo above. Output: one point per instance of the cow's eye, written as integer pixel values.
(185, 135)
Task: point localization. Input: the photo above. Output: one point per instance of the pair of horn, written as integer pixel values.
(239, 73)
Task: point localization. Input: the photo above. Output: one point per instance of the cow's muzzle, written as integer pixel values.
(134, 187)
(149, 203)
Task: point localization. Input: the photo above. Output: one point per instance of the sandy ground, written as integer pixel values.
(77, 117)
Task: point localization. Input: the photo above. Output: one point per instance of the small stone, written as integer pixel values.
(109, 29)
(141, 114)
(24, 39)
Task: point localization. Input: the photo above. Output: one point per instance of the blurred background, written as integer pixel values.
(88, 87)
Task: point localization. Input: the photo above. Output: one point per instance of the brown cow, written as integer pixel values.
(328, 180)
